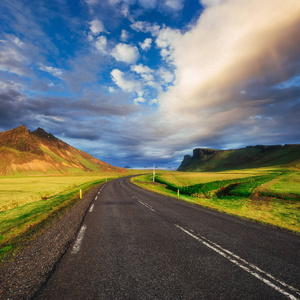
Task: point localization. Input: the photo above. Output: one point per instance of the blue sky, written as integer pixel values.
(141, 82)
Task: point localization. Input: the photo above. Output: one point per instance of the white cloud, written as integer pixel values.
(166, 54)
(146, 45)
(144, 4)
(153, 78)
(16, 41)
(166, 76)
(10, 85)
(144, 26)
(124, 35)
(173, 5)
(139, 100)
(111, 89)
(53, 118)
(148, 4)
(154, 84)
(96, 26)
(126, 85)
(166, 37)
(101, 44)
(15, 56)
(52, 70)
(140, 26)
(114, 2)
(141, 69)
(91, 2)
(144, 71)
(125, 10)
(166, 41)
(90, 37)
(125, 53)
(210, 2)
(11, 54)
(149, 79)
(153, 101)
(231, 46)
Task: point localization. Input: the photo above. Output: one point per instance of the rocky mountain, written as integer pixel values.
(38, 152)
(248, 157)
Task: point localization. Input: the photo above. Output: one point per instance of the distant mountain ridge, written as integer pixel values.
(39, 152)
(249, 157)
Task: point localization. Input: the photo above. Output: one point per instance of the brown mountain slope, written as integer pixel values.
(22, 151)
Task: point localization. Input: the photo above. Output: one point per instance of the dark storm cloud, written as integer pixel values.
(81, 115)
(13, 111)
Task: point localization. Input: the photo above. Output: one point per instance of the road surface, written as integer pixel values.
(135, 244)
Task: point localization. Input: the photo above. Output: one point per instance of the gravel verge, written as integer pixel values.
(22, 277)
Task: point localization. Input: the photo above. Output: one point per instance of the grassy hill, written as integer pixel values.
(244, 158)
(39, 152)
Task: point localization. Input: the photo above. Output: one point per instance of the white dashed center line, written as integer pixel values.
(78, 241)
(91, 208)
(146, 205)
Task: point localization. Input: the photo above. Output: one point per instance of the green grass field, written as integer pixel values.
(181, 179)
(28, 203)
(18, 191)
(270, 196)
(289, 184)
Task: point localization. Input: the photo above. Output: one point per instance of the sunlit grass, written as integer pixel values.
(19, 220)
(18, 191)
(269, 210)
(182, 179)
(28, 203)
(288, 184)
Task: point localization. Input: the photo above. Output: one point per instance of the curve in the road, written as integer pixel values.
(135, 244)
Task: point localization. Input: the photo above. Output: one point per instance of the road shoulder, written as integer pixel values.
(22, 277)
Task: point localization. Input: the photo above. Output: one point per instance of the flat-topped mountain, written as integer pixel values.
(248, 157)
(22, 151)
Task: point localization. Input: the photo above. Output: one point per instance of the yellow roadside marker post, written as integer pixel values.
(80, 194)
(178, 192)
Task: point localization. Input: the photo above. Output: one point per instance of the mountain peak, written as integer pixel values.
(21, 127)
(40, 132)
(22, 151)
(18, 138)
(18, 130)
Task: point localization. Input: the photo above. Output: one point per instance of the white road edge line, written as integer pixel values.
(266, 281)
(91, 208)
(146, 205)
(96, 197)
(255, 267)
(78, 241)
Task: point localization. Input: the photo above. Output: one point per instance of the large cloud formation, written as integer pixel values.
(229, 67)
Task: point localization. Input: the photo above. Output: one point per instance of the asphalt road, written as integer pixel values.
(135, 244)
